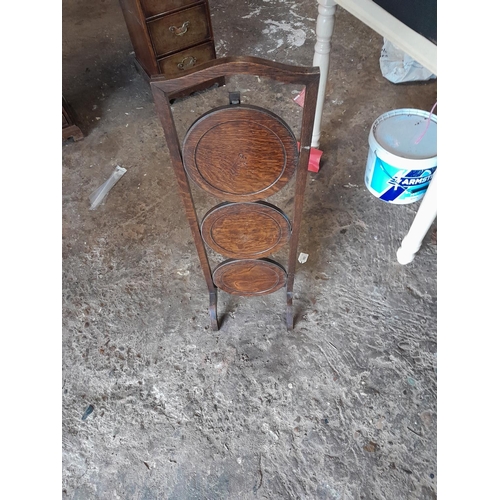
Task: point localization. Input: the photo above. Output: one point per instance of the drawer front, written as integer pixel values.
(176, 64)
(155, 7)
(180, 30)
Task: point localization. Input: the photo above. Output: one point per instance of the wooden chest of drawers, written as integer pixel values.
(170, 36)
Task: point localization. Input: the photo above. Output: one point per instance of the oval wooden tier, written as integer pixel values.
(245, 230)
(249, 276)
(240, 153)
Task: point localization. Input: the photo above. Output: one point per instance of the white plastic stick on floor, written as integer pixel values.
(97, 197)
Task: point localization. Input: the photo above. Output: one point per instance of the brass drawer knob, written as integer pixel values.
(180, 31)
(187, 62)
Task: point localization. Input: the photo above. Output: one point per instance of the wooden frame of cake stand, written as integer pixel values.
(242, 154)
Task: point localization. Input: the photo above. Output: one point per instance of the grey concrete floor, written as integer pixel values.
(342, 407)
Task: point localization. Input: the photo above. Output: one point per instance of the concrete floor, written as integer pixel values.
(342, 407)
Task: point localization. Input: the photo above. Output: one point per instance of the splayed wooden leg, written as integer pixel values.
(213, 311)
(289, 311)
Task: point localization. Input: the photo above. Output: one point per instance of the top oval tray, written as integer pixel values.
(240, 153)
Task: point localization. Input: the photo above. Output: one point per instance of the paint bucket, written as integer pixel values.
(402, 157)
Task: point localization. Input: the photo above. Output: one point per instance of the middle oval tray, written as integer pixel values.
(245, 230)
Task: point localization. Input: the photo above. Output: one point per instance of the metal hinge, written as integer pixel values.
(234, 98)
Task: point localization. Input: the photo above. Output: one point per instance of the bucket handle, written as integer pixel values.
(417, 141)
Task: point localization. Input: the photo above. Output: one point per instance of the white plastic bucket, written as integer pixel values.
(402, 158)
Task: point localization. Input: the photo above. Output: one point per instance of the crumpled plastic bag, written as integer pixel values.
(399, 67)
(98, 196)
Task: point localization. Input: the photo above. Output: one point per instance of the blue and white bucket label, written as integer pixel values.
(395, 185)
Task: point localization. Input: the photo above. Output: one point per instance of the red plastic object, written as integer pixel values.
(299, 99)
(314, 158)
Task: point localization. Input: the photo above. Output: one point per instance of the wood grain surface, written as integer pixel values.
(249, 276)
(175, 64)
(166, 40)
(245, 230)
(155, 7)
(240, 153)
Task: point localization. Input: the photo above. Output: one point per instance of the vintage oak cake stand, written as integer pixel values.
(242, 154)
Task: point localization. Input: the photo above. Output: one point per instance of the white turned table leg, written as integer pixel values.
(426, 215)
(324, 32)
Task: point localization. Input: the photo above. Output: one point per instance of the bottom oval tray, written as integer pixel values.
(249, 276)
